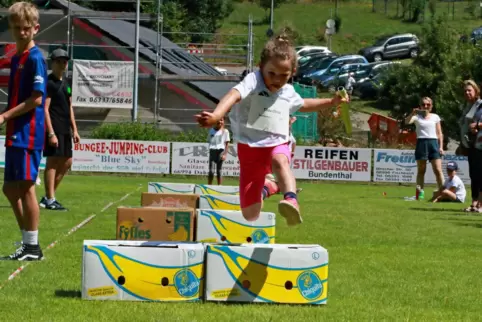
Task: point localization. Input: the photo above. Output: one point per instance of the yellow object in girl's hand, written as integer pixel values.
(345, 110)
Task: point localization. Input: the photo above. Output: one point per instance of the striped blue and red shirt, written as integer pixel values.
(28, 73)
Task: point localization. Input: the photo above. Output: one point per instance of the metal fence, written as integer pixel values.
(168, 89)
(306, 125)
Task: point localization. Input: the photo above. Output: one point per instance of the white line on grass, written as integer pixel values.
(70, 232)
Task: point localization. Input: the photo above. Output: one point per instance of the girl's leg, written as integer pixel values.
(254, 166)
(474, 178)
(211, 165)
(288, 208)
(219, 167)
(438, 172)
(421, 169)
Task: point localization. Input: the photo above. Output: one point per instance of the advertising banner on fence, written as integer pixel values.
(401, 166)
(102, 84)
(321, 163)
(190, 158)
(121, 156)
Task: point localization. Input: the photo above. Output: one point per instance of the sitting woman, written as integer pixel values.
(453, 188)
(429, 142)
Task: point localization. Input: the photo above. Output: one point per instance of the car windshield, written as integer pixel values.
(323, 64)
(380, 42)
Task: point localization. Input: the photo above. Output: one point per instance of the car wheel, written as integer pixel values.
(413, 53)
(331, 88)
(377, 57)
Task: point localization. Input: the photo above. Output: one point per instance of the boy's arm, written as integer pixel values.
(48, 120)
(226, 144)
(38, 89)
(22, 108)
(73, 124)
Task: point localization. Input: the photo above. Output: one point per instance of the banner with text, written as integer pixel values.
(321, 163)
(102, 84)
(400, 166)
(193, 159)
(121, 156)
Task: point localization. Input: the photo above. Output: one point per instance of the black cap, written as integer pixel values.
(452, 165)
(59, 53)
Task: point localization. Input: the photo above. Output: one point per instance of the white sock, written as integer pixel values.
(23, 234)
(31, 238)
(50, 201)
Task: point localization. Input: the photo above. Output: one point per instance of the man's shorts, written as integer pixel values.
(427, 149)
(64, 149)
(255, 164)
(21, 164)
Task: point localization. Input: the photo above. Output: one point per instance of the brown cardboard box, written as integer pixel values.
(155, 224)
(172, 200)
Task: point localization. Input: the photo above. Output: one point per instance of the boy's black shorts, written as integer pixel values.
(64, 149)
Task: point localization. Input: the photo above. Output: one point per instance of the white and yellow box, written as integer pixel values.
(204, 189)
(296, 274)
(142, 271)
(229, 226)
(219, 202)
(166, 187)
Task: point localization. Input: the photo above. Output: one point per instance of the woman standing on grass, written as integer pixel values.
(469, 141)
(429, 142)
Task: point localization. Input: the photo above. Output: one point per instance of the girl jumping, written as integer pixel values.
(260, 124)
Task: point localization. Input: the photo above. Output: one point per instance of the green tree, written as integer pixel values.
(438, 72)
(266, 5)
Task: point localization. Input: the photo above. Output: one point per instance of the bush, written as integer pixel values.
(138, 131)
(444, 62)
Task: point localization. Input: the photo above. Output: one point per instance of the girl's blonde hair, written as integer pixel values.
(428, 99)
(279, 47)
(474, 85)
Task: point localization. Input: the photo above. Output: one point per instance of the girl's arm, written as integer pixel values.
(408, 119)
(440, 136)
(229, 100)
(316, 104)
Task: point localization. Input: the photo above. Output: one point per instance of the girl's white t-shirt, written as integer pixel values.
(426, 128)
(273, 129)
(217, 139)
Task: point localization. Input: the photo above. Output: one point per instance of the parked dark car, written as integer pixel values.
(370, 89)
(397, 46)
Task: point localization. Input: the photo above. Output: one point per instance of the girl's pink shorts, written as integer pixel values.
(255, 164)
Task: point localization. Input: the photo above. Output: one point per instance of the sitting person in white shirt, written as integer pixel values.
(453, 188)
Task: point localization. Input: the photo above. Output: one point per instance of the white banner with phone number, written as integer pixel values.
(119, 156)
(102, 84)
(400, 166)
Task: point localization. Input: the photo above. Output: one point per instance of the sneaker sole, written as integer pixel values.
(290, 213)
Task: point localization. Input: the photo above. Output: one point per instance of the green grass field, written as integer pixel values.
(389, 259)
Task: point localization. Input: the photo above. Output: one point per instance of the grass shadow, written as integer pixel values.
(437, 209)
(468, 224)
(68, 293)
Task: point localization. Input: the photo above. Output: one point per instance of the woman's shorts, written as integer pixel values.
(427, 149)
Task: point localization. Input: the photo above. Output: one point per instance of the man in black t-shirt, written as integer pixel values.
(60, 129)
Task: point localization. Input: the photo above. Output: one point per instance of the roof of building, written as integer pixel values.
(175, 59)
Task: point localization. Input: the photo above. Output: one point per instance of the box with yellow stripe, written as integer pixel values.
(219, 202)
(229, 226)
(166, 187)
(142, 271)
(296, 274)
(203, 189)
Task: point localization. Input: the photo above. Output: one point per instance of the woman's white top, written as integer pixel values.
(426, 128)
